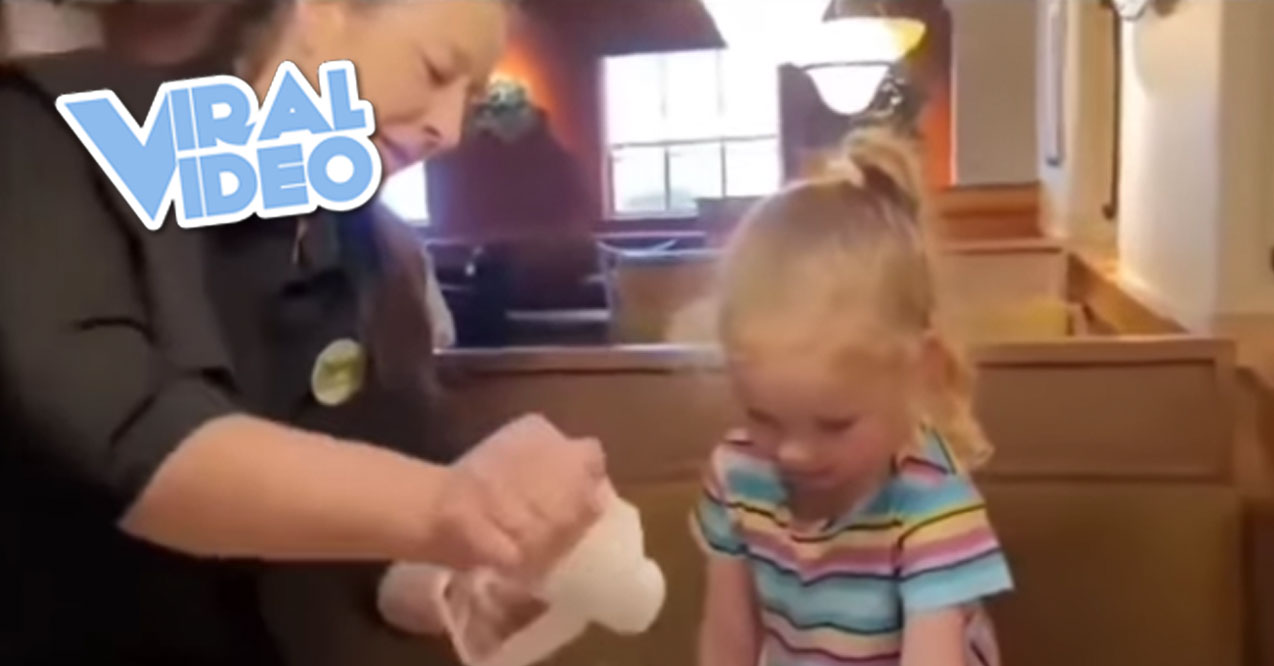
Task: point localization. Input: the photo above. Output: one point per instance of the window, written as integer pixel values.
(406, 194)
(688, 125)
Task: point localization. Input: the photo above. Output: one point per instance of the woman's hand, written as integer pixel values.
(517, 501)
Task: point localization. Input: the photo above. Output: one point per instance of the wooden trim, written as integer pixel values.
(989, 199)
(1015, 246)
(1110, 305)
(672, 471)
(1123, 350)
(580, 360)
(1254, 425)
(990, 211)
(990, 226)
(1259, 561)
(671, 358)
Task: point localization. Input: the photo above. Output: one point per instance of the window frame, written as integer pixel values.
(667, 213)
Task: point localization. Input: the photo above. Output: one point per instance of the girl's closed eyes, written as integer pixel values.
(835, 426)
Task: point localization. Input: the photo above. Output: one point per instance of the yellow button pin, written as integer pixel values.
(339, 372)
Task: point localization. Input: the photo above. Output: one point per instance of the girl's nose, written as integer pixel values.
(794, 455)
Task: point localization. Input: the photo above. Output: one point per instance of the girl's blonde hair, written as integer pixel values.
(840, 264)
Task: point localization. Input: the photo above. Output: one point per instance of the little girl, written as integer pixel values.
(841, 525)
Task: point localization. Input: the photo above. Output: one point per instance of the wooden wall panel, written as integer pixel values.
(1127, 566)
(1095, 410)
(1260, 568)
(1118, 420)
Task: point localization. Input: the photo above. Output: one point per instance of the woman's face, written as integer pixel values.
(420, 63)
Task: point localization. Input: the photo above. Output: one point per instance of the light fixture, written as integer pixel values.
(904, 19)
(847, 89)
(850, 53)
(847, 41)
(847, 46)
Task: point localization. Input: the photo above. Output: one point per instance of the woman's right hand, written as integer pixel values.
(517, 501)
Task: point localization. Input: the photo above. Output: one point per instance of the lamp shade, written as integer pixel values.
(849, 54)
(847, 89)
(852, 41)
(905, 19)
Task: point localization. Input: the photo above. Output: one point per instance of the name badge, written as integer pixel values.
(339, 372)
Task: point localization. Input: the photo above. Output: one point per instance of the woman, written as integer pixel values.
(177, 406)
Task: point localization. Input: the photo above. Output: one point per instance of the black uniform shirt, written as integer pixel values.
(115, 344)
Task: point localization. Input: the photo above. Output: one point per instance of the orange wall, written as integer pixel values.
(559, 74)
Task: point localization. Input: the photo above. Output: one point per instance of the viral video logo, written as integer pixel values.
(209, 148)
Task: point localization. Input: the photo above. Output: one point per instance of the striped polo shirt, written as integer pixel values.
(840, 594)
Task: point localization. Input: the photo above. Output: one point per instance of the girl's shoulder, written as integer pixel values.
(931, 461)
(736, 469)
(929, 480)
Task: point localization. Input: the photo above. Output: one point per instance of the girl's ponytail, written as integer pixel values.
(882, 164)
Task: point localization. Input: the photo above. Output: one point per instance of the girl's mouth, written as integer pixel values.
(813, 479)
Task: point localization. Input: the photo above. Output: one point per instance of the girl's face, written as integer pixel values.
(827, 433)
(420, 64)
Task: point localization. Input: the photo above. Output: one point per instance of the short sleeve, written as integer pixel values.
(713, 521)
(948, 552)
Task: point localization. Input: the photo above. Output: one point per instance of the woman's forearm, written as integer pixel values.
(245, 487)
